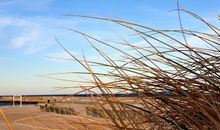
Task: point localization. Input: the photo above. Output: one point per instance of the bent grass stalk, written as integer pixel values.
(6, 120)
(176, 86)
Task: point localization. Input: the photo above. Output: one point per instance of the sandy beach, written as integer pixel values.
(31, 118)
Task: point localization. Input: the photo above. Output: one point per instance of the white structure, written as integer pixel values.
(20, 100)
(13, 100)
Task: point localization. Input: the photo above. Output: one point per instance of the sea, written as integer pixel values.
(16, 104)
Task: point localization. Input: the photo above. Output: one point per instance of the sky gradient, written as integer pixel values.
(28, 30)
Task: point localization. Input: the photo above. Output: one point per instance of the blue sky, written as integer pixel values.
(28, 28)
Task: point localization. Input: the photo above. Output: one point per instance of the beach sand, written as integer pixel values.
(31, 118)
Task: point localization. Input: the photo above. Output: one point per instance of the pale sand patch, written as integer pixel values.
(31, 118)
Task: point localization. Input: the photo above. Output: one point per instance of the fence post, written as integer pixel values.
(20, 100)
(13, 100)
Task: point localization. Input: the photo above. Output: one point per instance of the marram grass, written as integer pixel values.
(177, 85)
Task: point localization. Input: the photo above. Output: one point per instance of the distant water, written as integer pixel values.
(5, 103)
(16, 104)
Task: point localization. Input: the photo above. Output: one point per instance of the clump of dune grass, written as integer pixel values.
(176, 85)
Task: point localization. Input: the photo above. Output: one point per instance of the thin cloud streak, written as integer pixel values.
(32, 34)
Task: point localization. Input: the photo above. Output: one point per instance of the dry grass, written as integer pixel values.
(177, 85)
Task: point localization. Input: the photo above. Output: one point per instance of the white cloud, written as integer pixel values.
(33, 40)
(24, 39)
(32, 34)
(33, 5)
(4, 22)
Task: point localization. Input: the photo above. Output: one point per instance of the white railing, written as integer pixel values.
(13, 100)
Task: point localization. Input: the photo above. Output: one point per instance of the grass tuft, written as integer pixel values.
(176, 84)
